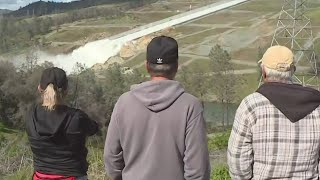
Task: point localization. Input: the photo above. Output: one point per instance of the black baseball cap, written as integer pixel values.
(162, 50)
(55, 76)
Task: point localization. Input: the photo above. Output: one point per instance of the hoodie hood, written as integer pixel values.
(57, 140)
(294, 101)
(157, 95)
(47, 125)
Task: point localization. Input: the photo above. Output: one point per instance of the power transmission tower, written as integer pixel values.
(294, 31)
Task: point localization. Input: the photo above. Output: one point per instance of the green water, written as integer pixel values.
(213, 112)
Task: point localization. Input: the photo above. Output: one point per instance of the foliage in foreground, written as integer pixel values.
(218, 141)
(16, 158)
(18, 90)
(220, 173)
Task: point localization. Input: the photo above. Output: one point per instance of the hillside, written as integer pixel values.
(4, 11)
(52, 30)
(40, 8)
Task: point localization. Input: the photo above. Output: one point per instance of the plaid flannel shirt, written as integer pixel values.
(264, 144)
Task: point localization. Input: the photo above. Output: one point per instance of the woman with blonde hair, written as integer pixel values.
(57, 133)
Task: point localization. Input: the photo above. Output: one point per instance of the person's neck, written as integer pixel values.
(159, 78)
(277, 81)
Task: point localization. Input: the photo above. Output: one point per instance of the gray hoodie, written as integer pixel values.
(157, 132)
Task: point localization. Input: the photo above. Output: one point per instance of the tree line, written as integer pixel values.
(41, 8)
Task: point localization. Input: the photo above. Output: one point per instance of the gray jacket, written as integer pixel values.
(157, 132)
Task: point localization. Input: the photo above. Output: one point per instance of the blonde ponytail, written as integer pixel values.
(49, 98)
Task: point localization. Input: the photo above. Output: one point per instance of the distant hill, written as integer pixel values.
(4, 11)
(43, 8)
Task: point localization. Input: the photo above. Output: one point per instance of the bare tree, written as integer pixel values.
(31, 61)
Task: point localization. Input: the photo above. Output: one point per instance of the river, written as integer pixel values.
(213, 113)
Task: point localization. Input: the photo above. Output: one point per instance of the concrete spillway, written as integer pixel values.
(101, 50)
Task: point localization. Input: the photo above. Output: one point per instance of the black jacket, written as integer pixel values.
(57, 140)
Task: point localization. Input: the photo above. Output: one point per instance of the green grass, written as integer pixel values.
(246, 23)
(123, 19)
(241, 66)
(220, 173)
(95, 158)
(71, 35)
(218, 141)
(247, 54)
(22, 159)
(151, 17)
(201, 65)
(200, 37)
(143, 70)
(5, 130)
(140, 58)
(249, 85)
(189, 29)
(183, 59)
(205, 65)
(81, 33)
(224, 18)
(314, 15)
(116, 30)
(22, 174)
(18, 157)
(261, 6)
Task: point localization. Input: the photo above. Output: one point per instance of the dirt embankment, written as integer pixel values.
(131, 48)
(134, 47)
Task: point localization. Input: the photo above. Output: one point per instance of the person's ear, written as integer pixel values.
(263, 71)
(147, 66)
(39, 89)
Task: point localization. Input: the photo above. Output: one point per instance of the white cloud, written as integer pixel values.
(15, 4)
(8, 1)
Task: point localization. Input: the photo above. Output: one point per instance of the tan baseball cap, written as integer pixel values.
(279, 58)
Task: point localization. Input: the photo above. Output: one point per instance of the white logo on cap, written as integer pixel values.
(159, 61)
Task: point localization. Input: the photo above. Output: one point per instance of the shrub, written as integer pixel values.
(219, 141)
(3, 140)
(220, 173)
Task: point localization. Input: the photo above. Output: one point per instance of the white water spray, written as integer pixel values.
(89, 54)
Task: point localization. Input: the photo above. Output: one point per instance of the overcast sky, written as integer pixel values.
(15, 4)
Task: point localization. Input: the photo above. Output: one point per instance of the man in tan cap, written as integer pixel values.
(276, 131)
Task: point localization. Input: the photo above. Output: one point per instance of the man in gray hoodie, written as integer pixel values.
(157, 130)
